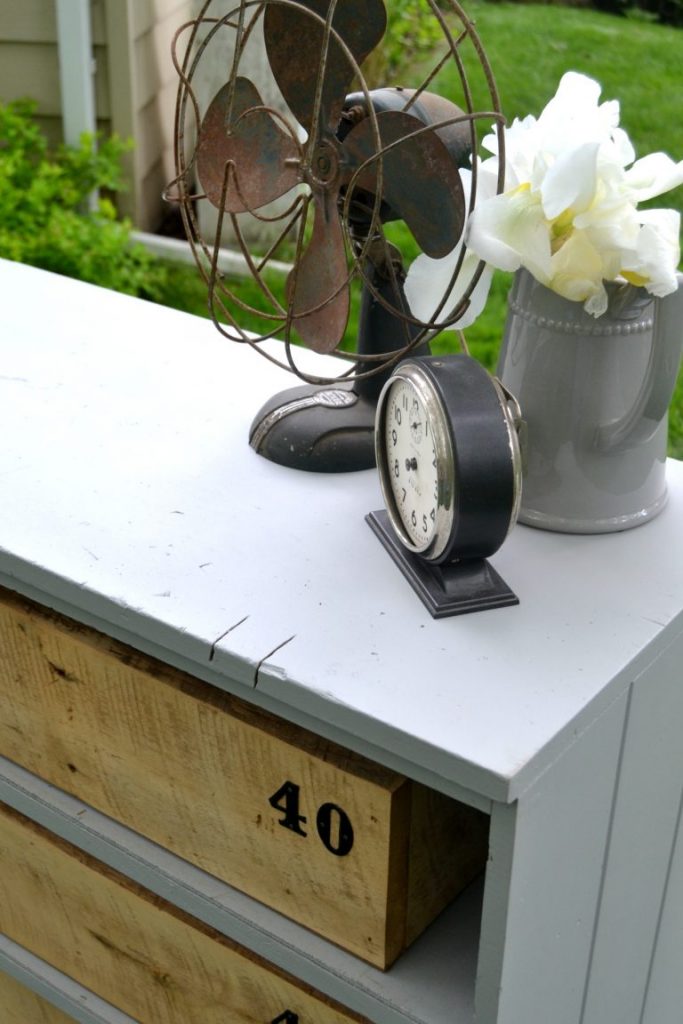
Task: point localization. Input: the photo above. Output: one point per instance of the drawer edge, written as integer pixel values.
(56, 988)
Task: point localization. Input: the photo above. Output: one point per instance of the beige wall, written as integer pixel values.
(135, 82)
(143, 86)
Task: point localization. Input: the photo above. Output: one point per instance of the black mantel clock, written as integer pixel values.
(448, 455)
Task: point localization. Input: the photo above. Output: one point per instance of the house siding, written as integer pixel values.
(135, 83)
(154, 25)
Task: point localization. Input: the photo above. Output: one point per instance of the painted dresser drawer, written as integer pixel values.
(351, 850)
(19, 1005)
(133, 949)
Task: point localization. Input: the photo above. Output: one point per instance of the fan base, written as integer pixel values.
(321, 429)
(455, 588)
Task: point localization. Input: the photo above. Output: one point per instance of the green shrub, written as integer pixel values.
(411, 34)
(44, 216)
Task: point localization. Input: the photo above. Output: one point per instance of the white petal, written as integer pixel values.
(510, 231)
(518, 130)
(486, 183)
(611, 228)
(653, 175)
(571, 181)
(543, 161)
(657, 251)
(574, 92)
(479, 295)
(427, 284)
(577, 273)
(625, 154)
(609, 114)
(597, 302)
(521, 148)
(487, 178)
(573, 116)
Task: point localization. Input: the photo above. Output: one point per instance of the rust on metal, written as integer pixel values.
(309, 65)
(316, 287)
(240, 130)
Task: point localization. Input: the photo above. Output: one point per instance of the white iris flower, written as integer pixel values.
(569, 212)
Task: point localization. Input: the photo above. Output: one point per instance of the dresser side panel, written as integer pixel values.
(642, 836)
(547, 861)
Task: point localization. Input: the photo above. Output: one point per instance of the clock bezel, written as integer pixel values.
(428, 396)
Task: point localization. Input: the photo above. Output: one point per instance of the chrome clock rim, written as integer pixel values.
(435, 545)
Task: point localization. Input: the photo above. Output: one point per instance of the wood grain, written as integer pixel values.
(19, 1005)
(448, 848)
(194, 768)
(138, 952)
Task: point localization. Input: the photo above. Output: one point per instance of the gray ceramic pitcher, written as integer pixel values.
(594, 395)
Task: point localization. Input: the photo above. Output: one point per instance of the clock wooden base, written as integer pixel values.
(455, 588)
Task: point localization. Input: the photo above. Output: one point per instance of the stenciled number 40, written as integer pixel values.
(333, 824)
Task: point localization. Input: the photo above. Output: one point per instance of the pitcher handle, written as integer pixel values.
(652, 402)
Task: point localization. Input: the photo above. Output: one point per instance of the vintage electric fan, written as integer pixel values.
(354, 160)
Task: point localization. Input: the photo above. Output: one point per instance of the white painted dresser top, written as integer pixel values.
(130, 499)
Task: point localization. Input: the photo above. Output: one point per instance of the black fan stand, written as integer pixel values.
(331, 428)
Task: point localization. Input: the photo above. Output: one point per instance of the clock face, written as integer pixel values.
(411, 463)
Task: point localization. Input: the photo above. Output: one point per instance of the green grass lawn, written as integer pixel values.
(637, 62)
(530, 47)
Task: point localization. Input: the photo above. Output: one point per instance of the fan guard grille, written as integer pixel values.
(461, 44)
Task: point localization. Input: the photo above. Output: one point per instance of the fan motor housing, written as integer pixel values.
(429, 108)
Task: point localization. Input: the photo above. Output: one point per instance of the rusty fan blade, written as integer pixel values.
(294, 42)
(244, 150)
(320, 280)
(420, 181)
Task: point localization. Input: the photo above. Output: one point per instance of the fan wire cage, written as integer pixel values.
(359, 249)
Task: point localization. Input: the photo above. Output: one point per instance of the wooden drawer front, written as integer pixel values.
(19, 1005)
(353, 851)
(131, 948)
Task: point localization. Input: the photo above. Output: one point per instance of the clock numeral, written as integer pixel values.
(394, 437)
(404, 402)
(404, 495)
(396, 468)
(413, 517)
(434, 462)
(432, 514)
(397, 415)
(424, 524)
(333, 824)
